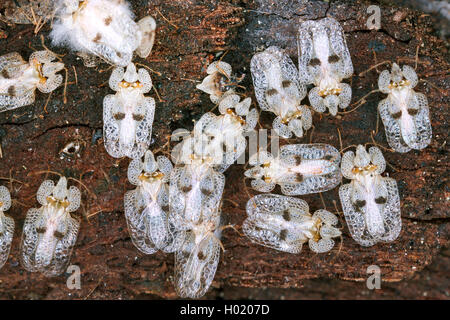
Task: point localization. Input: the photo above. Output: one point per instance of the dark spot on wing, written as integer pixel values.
(201, 256)
(108, 21)
(358, 204)
(186, 189)
(333, 58)
(298, 177)
(380, 200)
(119, 116)
(283, 234)
(205, 191)
(397, 115)
(5, 74)
(58, 235)
(97, 38)
(11, 91)
(286, 215)
(286, 83)
(314, 62)
(41, 229)
(271, 92)
(138, 117)
(413, 112)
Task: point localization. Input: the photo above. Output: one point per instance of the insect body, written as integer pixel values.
(324, 60)
(299, 169)
(50, 232)
(103, 28)
(219, 82)
(226, 133)
(6, 225)
(371, 202)
(285, 224)
(19, 79)
(146, 207)
(128, 114)
(404, 112)
(278, 90)
(197, 259)
(194, 186)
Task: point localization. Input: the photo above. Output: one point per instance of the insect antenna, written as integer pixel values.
(323, 201)
(359, 103)
(374, 67)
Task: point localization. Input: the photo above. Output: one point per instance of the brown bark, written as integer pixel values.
(188, 38)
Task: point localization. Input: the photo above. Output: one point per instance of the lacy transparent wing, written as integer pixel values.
(355, 219)
(196, 265)
(6, 236)
(30, 239)
(277, 222)
(110, 126)
(191, 193)
(137, 222)
(321, 168)
(277, 89)
(63, 249)
(406, 131)
(391, 213)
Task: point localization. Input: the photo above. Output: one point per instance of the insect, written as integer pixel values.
(194, 186)
(6, 225)
(299, 169)
(197, 259)
(128, 114)
(147, 206)
(285, 224)
(50, 232)
(226, 133)
(404, 112)
(277, 89)
(19, 79)
(103, 28)
(219, 82)
(324, 60)
(371, 202)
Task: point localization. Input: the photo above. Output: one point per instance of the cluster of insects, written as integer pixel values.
(176, 205)
(93, 28)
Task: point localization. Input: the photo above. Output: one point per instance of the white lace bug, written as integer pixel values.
(299, 169)
(19, 79)
(324, 60)
(277, 89)
(219, 82)
(147, 206)
(50, 232)
(6, 225)
(225, 134)
(194, 185)
(128, 114)
(370, 202)
(404, 112)
(197, 259)
(285, 224)
(104, 28)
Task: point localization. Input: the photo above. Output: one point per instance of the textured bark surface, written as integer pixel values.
(190, 35)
